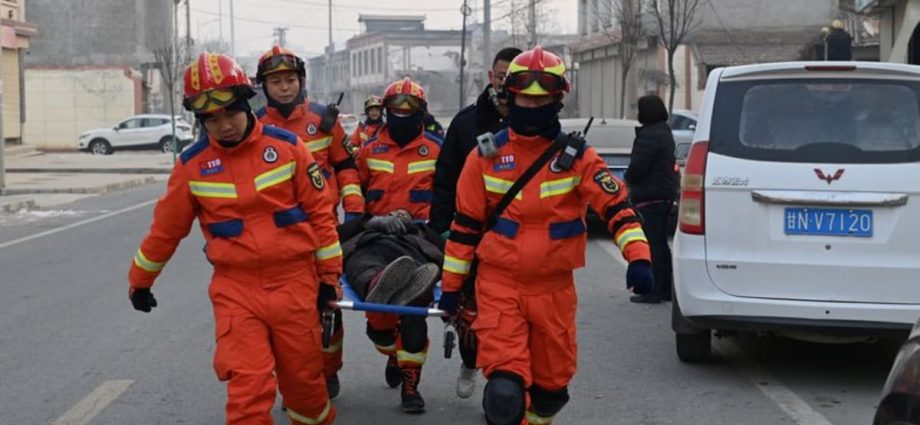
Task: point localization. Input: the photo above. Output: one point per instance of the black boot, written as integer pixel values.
(646, 298)
(412, 401)
(392, 373)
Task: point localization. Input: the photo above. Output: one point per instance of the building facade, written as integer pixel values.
(92, 67)
(15, 37)
(899, 28)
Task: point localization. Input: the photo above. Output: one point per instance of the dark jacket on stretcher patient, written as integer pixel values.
(368, 251)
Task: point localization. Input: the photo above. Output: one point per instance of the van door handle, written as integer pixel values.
(841, 199)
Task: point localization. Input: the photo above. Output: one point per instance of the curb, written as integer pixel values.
(99, 190)
(92, 170)
(17, 205)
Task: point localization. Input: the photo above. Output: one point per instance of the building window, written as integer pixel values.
(380, 60)
(354, 64)
(367, 63)
(373, 62)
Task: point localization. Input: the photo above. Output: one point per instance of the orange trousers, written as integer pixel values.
(267, 338)
(526, 326)
(409, 354)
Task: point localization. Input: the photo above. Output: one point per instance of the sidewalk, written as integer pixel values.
(36, 180)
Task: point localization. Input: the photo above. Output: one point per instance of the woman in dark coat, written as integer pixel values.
(653, 178)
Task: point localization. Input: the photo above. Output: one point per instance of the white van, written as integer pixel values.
(800, 205)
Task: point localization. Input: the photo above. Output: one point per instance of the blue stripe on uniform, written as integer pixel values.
(506, 227)
(226, 229)
(420, 196)
(290, 216)
(566, 229)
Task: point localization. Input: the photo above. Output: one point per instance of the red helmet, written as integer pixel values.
(537, 72)
(405, 96)
(372, 102)
(214, 81)
(279, 59)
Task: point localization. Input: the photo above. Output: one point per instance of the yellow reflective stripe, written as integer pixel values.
(212, 190)
(380, 165)
(456, 265)
(630, 235)
(535, 419)
(143, 262)
(362, 135)
(500, 186)
(319, 144)
(333, 348)
(311, 421)
(417, 358)
(559, 187)
(421, 166)
(327, 252)
(351, 189)
(275, 176)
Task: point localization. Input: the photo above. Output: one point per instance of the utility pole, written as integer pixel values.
(188, 30)
(2, 140)
(533, 23)
(486, 34)
(232, 33)
(281, 35)
(465, 11)
(330, 50)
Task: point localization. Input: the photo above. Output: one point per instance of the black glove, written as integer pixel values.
(639, 277)
(142, 299)
(327, 294)
(387, 223)
(328, 119)
(449, 302)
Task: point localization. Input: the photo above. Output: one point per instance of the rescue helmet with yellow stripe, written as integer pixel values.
(214, 81)
(280, 59)
(537, 72)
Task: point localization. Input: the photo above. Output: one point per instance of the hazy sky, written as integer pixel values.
(308, 19)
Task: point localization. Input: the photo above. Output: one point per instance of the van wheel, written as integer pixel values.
(100, 147)
(694, 348)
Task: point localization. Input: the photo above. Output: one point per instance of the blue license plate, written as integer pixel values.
(828, 222)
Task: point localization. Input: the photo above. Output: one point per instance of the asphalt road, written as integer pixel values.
(73, 351)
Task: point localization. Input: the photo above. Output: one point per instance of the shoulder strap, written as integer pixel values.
(522, 181)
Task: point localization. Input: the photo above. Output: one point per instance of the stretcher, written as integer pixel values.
(350, 301)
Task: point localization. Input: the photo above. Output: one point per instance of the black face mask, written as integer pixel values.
(404, 129)
(533, 121)
(286, 109)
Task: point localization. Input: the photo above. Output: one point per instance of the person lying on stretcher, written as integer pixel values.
(391, 259)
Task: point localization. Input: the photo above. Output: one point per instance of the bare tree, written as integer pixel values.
(676, 19)
(628, 14)
(518, 15)
(167, 56)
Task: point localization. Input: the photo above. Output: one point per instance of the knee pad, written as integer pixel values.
(413, 331)
(548, 403)
(382, 338)
(503, 399)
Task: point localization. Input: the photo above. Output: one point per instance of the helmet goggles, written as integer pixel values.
(210, 101)
(523, 83)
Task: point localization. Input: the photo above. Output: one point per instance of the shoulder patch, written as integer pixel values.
(260, 113)
(196, 148)
(317, 108)
(316, 176)
(434, 138)
(605, 180)
(280, 134)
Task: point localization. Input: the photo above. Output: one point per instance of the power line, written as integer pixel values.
(274, 23)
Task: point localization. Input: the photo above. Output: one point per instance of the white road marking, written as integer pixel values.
(787, 400)
(77, 224)
(94, 403)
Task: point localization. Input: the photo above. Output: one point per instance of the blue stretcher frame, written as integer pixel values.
(350, 302)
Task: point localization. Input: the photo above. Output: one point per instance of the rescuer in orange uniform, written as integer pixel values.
(283, 77)
(367, 130)
(264, 210)
(525, 287)
(396, 171)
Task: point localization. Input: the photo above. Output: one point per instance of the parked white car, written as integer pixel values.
(137, 132)
(800, 204)
(683, 125)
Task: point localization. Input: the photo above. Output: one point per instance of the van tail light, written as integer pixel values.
(692, 198)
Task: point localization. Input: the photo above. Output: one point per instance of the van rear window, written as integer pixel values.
(811, 120)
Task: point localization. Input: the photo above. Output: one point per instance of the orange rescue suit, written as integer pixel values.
(395, 177)
(266, 215)
(332, 150)
(525, 286)
(365, 133)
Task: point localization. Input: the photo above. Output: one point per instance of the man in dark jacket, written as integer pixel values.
(839, 43)
(485, 116)
(653, 177)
